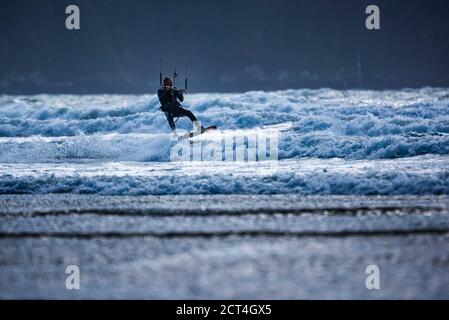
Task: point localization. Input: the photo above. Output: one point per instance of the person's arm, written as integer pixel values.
(160, 95)
(180, 94)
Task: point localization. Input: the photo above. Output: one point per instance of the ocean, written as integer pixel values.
(350, 178)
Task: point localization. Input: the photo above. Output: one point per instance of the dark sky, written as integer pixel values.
(230, 45)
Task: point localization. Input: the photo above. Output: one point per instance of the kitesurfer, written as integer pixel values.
(171, 98)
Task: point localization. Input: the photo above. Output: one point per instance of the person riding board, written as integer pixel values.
(170, 98)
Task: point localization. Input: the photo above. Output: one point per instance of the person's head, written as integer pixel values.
(168, 82)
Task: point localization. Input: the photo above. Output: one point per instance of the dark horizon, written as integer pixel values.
(230, 46)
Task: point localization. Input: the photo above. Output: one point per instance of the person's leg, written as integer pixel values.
(181, 112)
(171, 123)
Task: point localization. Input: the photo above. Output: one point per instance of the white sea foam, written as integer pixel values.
(326, 124)
(416, 175)
(102, 130)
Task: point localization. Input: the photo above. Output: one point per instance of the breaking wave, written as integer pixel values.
(329, 142)
(419, 177)
(324, 124)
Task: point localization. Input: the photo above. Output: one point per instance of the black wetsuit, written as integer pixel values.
(170, 104)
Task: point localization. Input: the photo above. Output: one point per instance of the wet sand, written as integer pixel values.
(218, 247)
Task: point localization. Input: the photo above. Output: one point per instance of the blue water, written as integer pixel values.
(331, 142)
